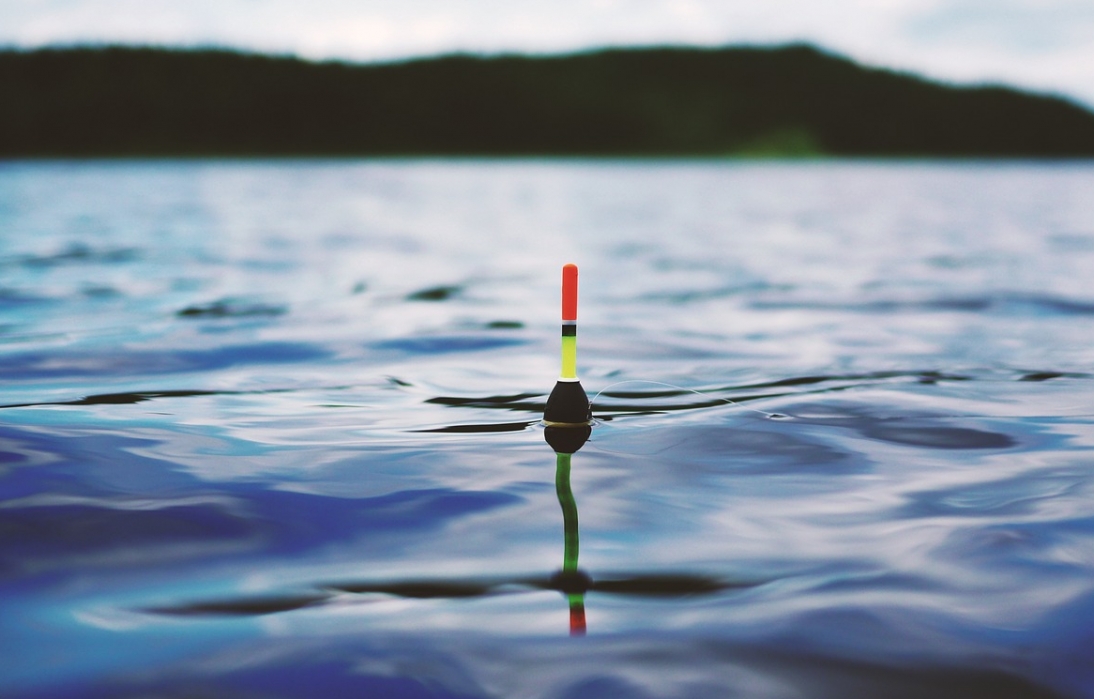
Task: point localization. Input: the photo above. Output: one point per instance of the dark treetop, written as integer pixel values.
(793, 100)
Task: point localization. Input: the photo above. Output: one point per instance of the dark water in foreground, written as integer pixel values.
(270, 429)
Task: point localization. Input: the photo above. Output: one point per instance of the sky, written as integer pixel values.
(1041, 45)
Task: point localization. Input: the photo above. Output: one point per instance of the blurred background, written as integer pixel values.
(279, 305)
(784, 78)
(1042, 45)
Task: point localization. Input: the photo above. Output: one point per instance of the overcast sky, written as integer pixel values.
(1045, 45)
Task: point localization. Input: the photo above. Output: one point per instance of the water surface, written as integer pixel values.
(271, 429)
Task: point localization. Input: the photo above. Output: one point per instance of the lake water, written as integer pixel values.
(271, 429)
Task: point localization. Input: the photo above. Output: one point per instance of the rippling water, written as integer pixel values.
(270, 429)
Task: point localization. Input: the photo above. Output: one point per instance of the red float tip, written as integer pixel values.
(569, 292)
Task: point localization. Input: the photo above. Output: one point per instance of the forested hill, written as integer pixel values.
(793, 100)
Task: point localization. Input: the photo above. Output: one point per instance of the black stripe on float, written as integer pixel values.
(569, 330)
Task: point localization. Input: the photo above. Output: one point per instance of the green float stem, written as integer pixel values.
(569, 511)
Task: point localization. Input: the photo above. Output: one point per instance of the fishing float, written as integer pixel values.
(568, 406)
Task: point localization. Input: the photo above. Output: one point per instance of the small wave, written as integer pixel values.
(649, 585)
(246, 606)
(641, 402)
(1011, 304)
(492, 427)
(423, 589)
(232, 308)
(516, 401)
(75, 531)
(934, 436)
(659, 585)
(689, 296)
(612, 401)
(444, 344)
(918, 430)
(80, 253)
(435, 293)
(87, 532)
(1049, 375)
(1010, 496)
(143, 396)
(14, 298)
(32, 366)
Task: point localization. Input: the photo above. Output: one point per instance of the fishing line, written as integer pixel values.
(735, 404)
(781, 416)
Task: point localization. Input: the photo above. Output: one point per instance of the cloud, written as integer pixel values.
(1012, 26)
(1039, 44)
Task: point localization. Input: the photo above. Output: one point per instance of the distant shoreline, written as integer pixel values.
(1054, 161)
(747, 104)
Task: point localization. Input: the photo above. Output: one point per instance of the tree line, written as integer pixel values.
(783, 101)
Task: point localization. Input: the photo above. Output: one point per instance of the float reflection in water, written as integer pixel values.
(568, 416)
(571, 580)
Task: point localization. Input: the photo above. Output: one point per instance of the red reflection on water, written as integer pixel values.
(577, 618)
